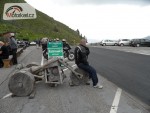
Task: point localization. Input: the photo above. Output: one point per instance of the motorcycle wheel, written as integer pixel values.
(71, 56)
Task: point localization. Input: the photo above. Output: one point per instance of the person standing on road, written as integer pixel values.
(66, 46)
(13, 45)
(81, 56)
(4, 53)
(44, 42)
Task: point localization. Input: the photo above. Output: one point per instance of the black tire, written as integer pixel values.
(137, 45)
(121, 44)
(115, 44)
(71, 56)
(104, 44)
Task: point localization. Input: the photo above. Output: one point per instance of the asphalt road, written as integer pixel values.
(129, 71)
(66, 99)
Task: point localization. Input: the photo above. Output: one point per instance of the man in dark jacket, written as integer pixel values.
(66, 46)
(81, 56)
(4, 53)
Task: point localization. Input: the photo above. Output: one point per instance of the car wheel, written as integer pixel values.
(121, 44)
(115, 44)
(137, 45)
(104, 44)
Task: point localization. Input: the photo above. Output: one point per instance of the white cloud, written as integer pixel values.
(99, 21)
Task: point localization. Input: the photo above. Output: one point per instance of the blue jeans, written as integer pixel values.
(91, 71)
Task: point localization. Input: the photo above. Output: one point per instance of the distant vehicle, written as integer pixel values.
(26, 42)
(32, 43)
(140, 42)
(124, 42)
(109, 43)
(21, 44)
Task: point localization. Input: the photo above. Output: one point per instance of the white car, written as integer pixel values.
(124, 42)
(32, 43)
(109, 43)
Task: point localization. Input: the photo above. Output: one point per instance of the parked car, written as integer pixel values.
(109, 43)
(32, 43)
(27, 43)
(21, 44)
(26, 40)
(140, 42)
(124, 42)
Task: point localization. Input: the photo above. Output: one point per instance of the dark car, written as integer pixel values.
(140, 42)
(21, 44)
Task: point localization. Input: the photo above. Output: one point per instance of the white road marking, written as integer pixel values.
(8, 95)
(42, 61)
(115, 104)
(67, 68)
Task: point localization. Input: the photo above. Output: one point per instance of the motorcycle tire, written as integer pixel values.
(71, 56)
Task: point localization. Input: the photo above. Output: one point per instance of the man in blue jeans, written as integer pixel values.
(81, 55)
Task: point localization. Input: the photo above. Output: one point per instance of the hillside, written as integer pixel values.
(42, 26)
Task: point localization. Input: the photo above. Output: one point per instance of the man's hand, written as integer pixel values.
(0, 52)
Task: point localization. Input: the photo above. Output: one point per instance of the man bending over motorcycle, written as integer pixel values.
(66, 46)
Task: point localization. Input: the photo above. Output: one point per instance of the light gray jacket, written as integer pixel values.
(13, 43)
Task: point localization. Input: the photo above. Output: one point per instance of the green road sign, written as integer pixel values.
(55, 49)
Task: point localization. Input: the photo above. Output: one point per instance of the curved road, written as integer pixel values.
(129, 71)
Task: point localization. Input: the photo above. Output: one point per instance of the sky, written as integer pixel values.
(100, 19)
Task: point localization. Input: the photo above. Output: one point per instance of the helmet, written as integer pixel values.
(64, 40)
(44, 40)
(57, 39)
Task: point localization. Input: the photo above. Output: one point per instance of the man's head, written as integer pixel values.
(83, 42)
(57, 39)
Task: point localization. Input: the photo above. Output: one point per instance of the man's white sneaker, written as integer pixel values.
(98, 86)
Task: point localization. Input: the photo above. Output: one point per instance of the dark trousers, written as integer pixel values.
(1, 60)
(14, 59)
(44, 46)
(91, 71)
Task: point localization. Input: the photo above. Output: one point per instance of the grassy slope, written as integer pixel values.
(36, 28)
